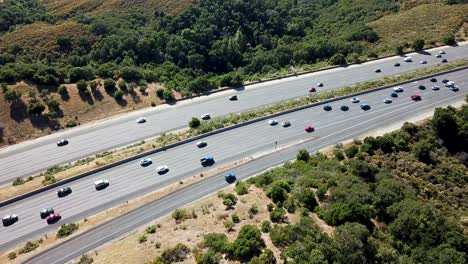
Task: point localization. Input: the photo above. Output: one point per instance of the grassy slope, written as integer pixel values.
(430, 22)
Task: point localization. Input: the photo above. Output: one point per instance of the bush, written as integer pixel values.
(118, 95)
(81, 85)
(229, 225)
(85, 259)
(168, 96)
(62, 90)
(337, 59)
(93, 85)
(18, 181)
(123, 85)
(66, 230)
(266, 226)
(277, 215)
(351, 151)
(399, 50)
(151, 229)
(109, 85)
(160, 93)
(270, 207)
(241, 188)
(30, 246)
(249, 243)
(71, 123)
(229, 200)
(11, 255)
(418, 44)
(449, 40)
(142, 239)
(235, 218)
(36, 108)
(11, 95)
(180, 215)
(53, 105)
(303, 155)
(194, 122)
(253, 211)
(176, 254)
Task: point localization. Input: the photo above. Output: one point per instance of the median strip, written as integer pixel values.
(63, 174)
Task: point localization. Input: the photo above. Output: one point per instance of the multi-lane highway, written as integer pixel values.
(131, 180)
(31, 157)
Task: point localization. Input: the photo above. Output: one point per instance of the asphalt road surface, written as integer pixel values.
(34, 156)
(131, 180)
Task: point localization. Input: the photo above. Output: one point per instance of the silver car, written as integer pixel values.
(145, 162)
(101, 184)
(273, 122)
(162, 169)
(355, 100)
(141, 120)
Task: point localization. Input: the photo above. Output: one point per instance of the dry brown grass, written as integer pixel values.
(41, 38)
(430, 22)
(68, 8)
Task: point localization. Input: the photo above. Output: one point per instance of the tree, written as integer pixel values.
(12, 95)
(399, 50)
(36, 108)
(194, 122)
(422, 151)
(277, 215)
(267, 257)
(168, 95)
(229, 200)
(53, 105)
(418, 44)
(81, 85)
(123, 85)
(351, 151)
(351, 244)
(241, 188)
(109, 85)
(249, 243)
(303, 155)
(199, 85)
(277, 193)
(229, 225)
(445, 125)
(118, 95)
(81, 73)
(307, 198)
(337, 59)
(160, 93)
(449, 40)
(62, 90)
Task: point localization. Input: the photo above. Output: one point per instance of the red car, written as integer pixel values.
(312, 90)
(53, 218)
(309, 129)
(416, 97)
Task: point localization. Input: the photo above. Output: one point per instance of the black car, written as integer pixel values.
(327, 108)
(397, 64)
(9, 220)
(445, 81)
(422, 87)
(233, 98)
(443, 60)
(46, 212)
(62, 192)
(207, 161)
(378, 70)
(62, 142)
(344, 108)
(433, 80)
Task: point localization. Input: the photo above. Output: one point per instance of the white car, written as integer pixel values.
(408, 59)
(162, 169)
(145, 162)
(435, 88)
(9, 219)
(423, 62)
(201, 144)
(141, 120)
(450, 83)
(273, 122)
(206, 117)
(355, 100)
(442, 52)
(101, 184)
(398, 89)
(387, 100)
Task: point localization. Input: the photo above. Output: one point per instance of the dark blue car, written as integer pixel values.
(208, 160)
(230, 177)
(394, 94)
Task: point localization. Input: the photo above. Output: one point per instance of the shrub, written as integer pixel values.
(66, 230)
(339, 155)
(249, 243)
(168, 96)
(93, 85)
(71, 123)
(142, 239)
(176, 254)
(449, 40)
(270, 207)
(18, 181)
(180, 215)
(253, 211)
(351, 151)
(12, 255)
(303, 155)
(85, 259)
(235, 218)
(118, 95)
(194, 122)
(399, 50)
(36, 108)
(123, 85)
(151, 229)
(229, 200)
(229, 225)
(241, 188)
(109, 85)
(160, 93)
(266, 226)
(81, 85)
(53, 105)
(62, 90)
(277, 215)
(30, 246)
(337, 59)
(11, 95)
(418, 44)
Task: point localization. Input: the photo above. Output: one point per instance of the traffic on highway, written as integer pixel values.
(328, 123)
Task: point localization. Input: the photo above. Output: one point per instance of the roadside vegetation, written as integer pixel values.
(76, 61)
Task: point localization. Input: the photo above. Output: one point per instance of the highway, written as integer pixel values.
(93, 138)
(131, 180)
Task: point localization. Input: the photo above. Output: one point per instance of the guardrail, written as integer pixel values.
(218, 131)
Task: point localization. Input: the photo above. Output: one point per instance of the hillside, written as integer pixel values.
(192, 47)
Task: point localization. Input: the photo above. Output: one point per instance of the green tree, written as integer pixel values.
(36, 108)
(81, 85)
(303, 155)
(277, 215)
(418, 44)
(194, 122)
(229, 200)
(449, 40)
(53, 105)
(12, 95)
(241, 187)
(351, 244)
(337, 59)
(109, 85)
(168, 96)
(249, 243)
(118, 95)
(123, 86)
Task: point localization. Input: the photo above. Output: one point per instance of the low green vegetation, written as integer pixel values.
(85, 259)
(395, 198)
(66, 230)
(176, 254)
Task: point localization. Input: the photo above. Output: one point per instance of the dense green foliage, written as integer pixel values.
(19, 12)
(212, 43)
